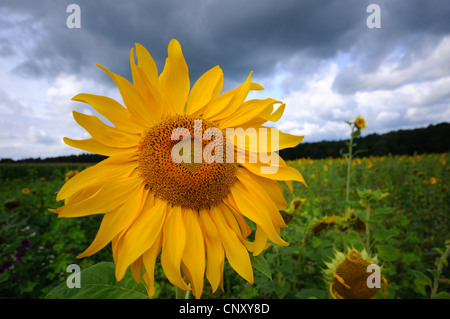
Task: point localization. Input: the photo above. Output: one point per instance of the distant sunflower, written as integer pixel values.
(360, 122)
(347, 275)
(71, 174)
(191, 214)
(25, 191)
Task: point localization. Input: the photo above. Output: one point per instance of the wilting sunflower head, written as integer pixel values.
(178, 181)
(360, 122)
(347, 275)
(322, 223)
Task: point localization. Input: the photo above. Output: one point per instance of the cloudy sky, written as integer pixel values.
(318, 56)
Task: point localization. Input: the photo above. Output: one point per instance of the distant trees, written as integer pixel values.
(432, 139)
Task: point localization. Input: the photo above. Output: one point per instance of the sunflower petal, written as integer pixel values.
(112, 110)
(174, 243)
(105, 200)
(207, 88)
(132, 99)
(108, 169)
(116, 221)
(141, 235)
(281, 173)
(93, 146)
(105, 134)
(149, 259)
(255, 211)
(194, 252)
(248, 111)
(235, 251)
(174, 79)
(214, 250)
(149, 91)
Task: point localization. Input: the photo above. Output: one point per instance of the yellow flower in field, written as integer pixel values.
(160, 198)
(433, 180)
(297, 202)
(360, 122)
(325, 168)
(369, 164)
(347, 276)
(356, 161)
(71, 174)
(25, 191)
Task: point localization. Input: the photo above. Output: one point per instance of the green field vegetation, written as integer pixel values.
(398, 208)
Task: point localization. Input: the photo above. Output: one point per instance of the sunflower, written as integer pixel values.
(71, 174)
(25, 191)
(193, 214)
(347, 275)
(360, 122)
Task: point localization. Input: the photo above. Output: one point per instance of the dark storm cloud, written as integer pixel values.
(238, 35)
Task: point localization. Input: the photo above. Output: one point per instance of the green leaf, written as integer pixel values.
(384, 211)
(421, 278)
(387, 253)
(311, 293)
(99, 282)
(260, 263)
(384, 234)
(442, 295)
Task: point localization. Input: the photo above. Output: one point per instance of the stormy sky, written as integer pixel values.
(318, 56)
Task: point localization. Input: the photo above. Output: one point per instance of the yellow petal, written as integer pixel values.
(107, 199)
(148, 90)
(174, 243)
(149, 258)
(272, 188)
(261, 139)
(236, 100)
(174, 79)
(235, 251)
(259, 194)
(116, 221)
(93, 146)
(214, 250)
(141, 235)
(108, 169)
(207, 88)
(281, 173)
(111, 110)
(148, 65)
(248, 111)
(136, 269)
(194, 252)
(133, 100)
(254, 210)
(105, 134)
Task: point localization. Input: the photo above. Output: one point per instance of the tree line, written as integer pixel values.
(432, 139)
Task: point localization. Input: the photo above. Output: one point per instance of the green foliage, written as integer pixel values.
(396, 210)
(99, 282)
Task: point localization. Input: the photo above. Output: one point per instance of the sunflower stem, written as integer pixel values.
(182, 294)
(349, 164)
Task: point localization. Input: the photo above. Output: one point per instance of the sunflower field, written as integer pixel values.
(396, 214)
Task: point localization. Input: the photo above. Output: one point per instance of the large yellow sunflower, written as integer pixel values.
(191, 213)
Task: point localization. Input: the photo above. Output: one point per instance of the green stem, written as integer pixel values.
(181, 294)
(349, 165)
(368, 246)
(439, 269)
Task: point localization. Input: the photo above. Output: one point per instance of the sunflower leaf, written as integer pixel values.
(99, 282)
(260, 263)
